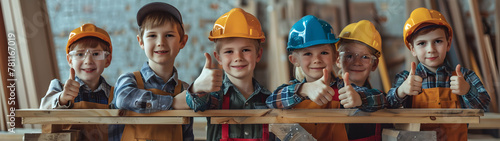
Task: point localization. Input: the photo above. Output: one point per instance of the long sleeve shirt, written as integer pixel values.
(99, 95)
(214, 100)
(476, 98)
(286, 96)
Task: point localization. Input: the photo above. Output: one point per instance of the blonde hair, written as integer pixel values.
(155, 19)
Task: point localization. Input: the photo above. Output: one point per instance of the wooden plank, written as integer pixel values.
(105, 120)
(277, 56)
(377, 119)
(482, 50)
(248, 113)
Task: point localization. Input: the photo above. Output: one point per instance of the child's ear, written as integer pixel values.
(259, 54)
(375, 64)
(141, 43)
(217, 57)
(184, 41)
(293, 60)
(108, 60)
(413, 51)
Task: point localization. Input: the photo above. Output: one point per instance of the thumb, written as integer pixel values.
(208, 61)
(326, 76)
(459, 73)
(72, 74)
(346, 79)
(413, 68)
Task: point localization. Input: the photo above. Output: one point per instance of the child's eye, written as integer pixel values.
(80, 54)
(420, 43)
(438, 41)
(349, 56)
(229, 51)
(307, 54)
(365, 57)
(152, 35)
(246, 50)
(170, 35)
(325, 53)
(95, 54)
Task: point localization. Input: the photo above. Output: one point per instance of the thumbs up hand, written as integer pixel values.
(347, 95)
(458, 85)
(70, 90)
(412, 85)
(318, 91)
(210, 79)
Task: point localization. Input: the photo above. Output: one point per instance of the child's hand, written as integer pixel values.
(210, 80)
(347, 95)
(412, 85)
(71, 89)
(318, 91)
(458, 85)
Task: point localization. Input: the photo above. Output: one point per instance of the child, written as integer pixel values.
(360, 46)
(237, 36)
(311, 44)
(156, 86)
(88, 53)
(434, 83)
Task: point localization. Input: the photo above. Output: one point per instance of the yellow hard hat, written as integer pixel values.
(363, 31)
(88, 30)
(421, 16)
(237, 23)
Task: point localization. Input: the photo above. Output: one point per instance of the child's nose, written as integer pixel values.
(161, 42)
(88, 59)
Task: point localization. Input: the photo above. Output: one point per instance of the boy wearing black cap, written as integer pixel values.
(156, 86)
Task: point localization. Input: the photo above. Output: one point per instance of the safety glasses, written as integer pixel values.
(351, 57)
(95, 54)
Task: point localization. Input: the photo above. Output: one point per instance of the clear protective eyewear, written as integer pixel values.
(95, 54)
(351, 57)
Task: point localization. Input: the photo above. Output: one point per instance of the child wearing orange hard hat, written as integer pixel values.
(88, 53)
(237, 36)
(433, 83)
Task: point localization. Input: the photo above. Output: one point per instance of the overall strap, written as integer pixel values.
(138, 79)
(110, 97)
(225, 105)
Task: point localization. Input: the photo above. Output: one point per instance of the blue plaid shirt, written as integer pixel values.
(214, 100)
(286, 97)
(127, 95)
(476, 98)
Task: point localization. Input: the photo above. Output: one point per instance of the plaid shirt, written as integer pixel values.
(214, 100)
(476, 98)
(286, 97)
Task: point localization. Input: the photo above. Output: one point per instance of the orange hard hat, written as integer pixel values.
(88, 30)
(363, 31)
(421, 16)
(237, 23)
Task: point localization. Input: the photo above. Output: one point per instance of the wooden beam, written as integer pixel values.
(488, 121)
(459, 36)
(105, 120)
(483, 52)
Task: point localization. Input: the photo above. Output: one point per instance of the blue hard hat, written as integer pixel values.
(310, 31)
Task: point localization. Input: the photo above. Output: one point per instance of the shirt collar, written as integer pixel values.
(103, 85)
(423, 71)
(149, 75)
